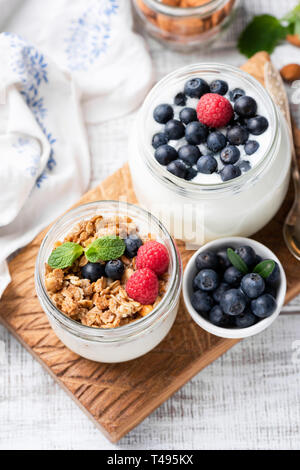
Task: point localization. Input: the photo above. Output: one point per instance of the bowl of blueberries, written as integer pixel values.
(234, 287)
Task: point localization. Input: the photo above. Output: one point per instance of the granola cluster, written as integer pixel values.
(104, 303)
(185, 26)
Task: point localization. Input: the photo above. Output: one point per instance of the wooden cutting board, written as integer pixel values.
(119, 396)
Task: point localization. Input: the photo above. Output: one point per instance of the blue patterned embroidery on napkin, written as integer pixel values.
(28, 148)
(90, 34)
(31, 68)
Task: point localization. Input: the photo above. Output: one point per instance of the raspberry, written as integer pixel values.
(153, 255)
(214, 110)
(142, 286)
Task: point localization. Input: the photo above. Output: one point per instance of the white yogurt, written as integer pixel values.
(119, 351)
(200, 211)
(201, 178)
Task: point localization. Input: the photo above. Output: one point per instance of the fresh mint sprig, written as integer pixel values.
(64, 255)
(105, 249)
(265, 268)
(237, 261)
(265, 32)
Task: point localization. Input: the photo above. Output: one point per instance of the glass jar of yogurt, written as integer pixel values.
(206, 207)
(185, 25)
(131, 340)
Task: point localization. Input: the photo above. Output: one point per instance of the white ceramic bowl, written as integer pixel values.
(191, 271)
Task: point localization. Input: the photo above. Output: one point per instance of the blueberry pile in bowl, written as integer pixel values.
(235, 288)
(210, 133)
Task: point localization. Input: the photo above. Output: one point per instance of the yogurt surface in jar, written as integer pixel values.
(245, 161)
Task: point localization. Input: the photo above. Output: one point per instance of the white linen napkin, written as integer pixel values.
(61, 60)
(44, 160)
(93, 39)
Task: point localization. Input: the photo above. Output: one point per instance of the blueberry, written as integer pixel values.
(189, 154)
(207, 260)
(233, 276)
(180, 99)
(207, 164)
(114, 269)
(223, 259)
(245, 320)
(216, 141)
(206, 280)
(230, 154)
(177, 168)
(251, 146)
(245, 106)
(244, 166)
(257, 125)
(163, 113)
(159, 139)
(196, 87)
(271, 289)
(274, 277)
(196, 133)
(217, 316)
(93, 271)
(264, 306)
(237, 135)
(219, 291)
(240, 121)
(236, 94)
(253, 285)
(188, 115)
(219, 86)
(174, 129)
(258, 259)
(233, 302)
(248, 300)
(247, 254)
(202, 301)
(165, 154)
(190, 174)
(229, 172)
(132, 243)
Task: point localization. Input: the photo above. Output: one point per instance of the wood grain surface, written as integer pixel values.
(118, 396)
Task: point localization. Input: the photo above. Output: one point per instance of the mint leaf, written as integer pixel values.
(265, 268)
(263, 33)
(105, 249)
(237, 261)
(64, 255)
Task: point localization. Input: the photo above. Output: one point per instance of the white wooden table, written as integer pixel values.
(249, 398)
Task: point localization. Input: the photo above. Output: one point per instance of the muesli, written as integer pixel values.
(106, 274)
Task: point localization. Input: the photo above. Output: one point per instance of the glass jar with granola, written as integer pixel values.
(108, 276)
(185, 24)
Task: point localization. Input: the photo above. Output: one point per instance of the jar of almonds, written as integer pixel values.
(185, 24)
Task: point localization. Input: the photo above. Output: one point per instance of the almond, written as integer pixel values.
(293, 39)
(171, 3)
(192, 3)
(290, 72)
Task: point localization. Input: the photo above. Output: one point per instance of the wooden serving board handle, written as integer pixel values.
(119, 396)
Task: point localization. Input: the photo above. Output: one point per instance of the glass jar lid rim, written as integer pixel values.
(171, 10)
